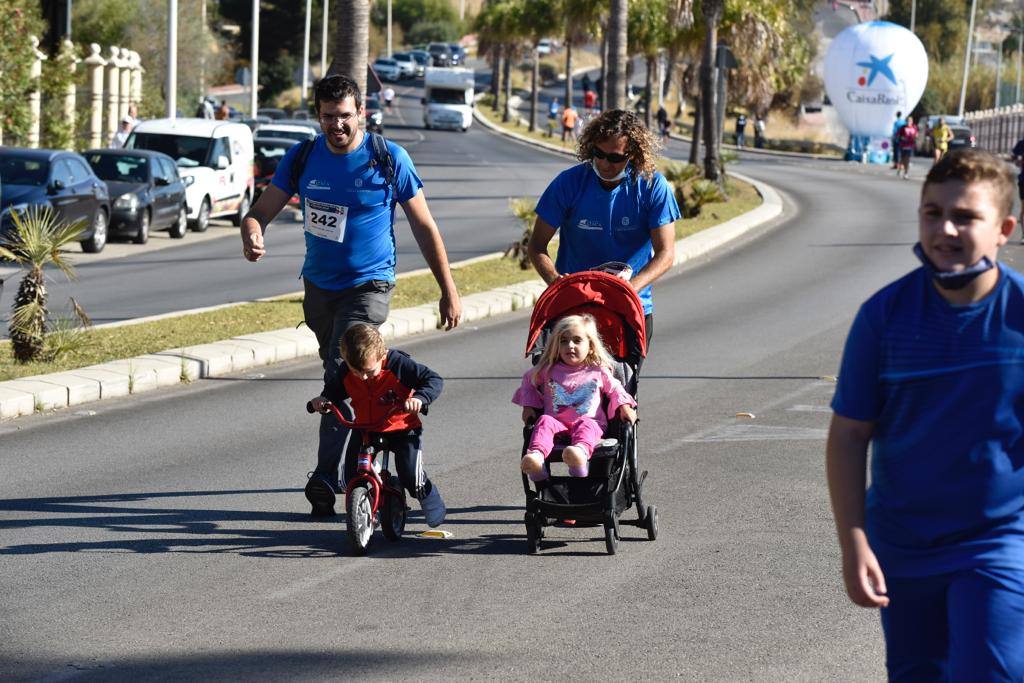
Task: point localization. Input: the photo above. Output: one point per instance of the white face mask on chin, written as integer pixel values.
(619, 176)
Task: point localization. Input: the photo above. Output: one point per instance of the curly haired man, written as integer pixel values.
(612, 206)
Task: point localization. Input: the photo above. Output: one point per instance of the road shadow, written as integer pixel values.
(374, 663)
(139, 523)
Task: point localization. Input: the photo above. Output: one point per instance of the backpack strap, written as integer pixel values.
(383, 158)
(299, 164)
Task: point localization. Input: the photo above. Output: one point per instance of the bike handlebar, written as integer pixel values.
(364, 426)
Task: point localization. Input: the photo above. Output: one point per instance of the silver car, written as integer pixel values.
(408, 65)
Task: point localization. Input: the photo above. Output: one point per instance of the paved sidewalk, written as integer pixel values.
(167, 368)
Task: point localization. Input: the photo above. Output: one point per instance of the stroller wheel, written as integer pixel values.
(532, 538)
(652, 522)
(611, 541)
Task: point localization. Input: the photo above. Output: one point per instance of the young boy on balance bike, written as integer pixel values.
(389, 388)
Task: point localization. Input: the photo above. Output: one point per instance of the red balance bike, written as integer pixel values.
(373, 490)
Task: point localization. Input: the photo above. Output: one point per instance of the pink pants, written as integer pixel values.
(585, 432)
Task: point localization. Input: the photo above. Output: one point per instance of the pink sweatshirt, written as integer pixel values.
(569, 393)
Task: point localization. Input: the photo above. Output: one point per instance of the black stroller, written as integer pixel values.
(614, 483)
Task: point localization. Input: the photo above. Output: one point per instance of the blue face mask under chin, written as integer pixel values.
(953, 279)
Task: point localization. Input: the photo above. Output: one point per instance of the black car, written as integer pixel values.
(57, 179)
(145, 190)
(267, 152)
(458, 54)
(441, 54)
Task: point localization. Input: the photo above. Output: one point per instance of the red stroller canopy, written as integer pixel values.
(610, 300)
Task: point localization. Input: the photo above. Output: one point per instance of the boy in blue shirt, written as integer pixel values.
(933, 378)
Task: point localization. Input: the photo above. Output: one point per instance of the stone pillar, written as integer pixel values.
(34, 95)
(137, 72)
(94, 64)
(113, 94)
(70, 93)
(124, 89)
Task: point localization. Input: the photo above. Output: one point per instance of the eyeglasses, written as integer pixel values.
(331, 120)
(609, 156)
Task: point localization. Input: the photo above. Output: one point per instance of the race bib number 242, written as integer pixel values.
(326, 221)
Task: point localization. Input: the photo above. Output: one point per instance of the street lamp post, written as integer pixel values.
(254, 68)
(967, 58)
(305, 55)
(323, 43)
(172, 59)
(389, 28)
(913, 14)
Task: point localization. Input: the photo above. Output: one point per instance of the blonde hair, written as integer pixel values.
(362, 345)
(597, 356)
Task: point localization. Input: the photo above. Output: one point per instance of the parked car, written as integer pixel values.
(387, 69)
(406, 64)
(546, 46)
(374, 114)
(311, 123)
(216, 154)
(285, 130)
(267, 152)
(441, 53)
(57, 179)
(458, 54)
(145, 190)
(423, 60)
(272, 113)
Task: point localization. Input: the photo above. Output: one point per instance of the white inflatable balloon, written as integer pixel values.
(872, 71)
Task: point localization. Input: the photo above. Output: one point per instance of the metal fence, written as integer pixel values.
(997, 130)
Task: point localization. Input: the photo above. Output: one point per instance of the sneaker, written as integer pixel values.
(321, 496)
(433, 507)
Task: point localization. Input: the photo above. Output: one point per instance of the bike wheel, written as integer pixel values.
(392, 517)
(359, 519)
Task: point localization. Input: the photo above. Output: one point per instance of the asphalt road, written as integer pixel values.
(165, 537)
(468, 180)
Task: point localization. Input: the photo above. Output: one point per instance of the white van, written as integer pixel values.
(216, 155)
(448, 98)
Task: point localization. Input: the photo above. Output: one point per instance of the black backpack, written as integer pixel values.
(379, 153)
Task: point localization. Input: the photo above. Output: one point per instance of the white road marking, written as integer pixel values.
(751, 432)
(311, 582)
(802, 408)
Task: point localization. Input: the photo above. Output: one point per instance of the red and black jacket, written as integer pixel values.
(400, 378)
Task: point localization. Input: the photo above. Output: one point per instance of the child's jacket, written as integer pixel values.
(373, 398)
(569, 393)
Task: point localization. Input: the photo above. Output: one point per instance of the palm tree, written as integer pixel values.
(35, 242)
(581, 21)
(618, 27)
(535, 22)
(712, 11)
(648, 34)
(490, 43)
(351, 40)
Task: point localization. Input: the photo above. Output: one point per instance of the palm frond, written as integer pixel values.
(38, 238)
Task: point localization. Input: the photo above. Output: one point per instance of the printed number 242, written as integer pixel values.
(326, 220)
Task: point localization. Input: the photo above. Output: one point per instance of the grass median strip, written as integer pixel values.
(115, 343)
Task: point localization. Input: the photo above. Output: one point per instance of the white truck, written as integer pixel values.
(448, 98)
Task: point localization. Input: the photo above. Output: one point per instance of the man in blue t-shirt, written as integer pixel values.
(613, 206)
(895, 139)
(932, 378)
(348, 210)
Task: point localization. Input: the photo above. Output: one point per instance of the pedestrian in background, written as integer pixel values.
(120, 137)
(1018, 159)
(931, 380)
(569, 119)
(663, 124)
(907, 141)
(741, 130)
(941, 136)
(759, 139)
(223, 111)
(589, 102)
(896, 125)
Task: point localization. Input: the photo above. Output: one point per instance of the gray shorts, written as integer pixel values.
(330, 313)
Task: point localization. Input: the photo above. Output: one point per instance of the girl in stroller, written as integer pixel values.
(568, 383)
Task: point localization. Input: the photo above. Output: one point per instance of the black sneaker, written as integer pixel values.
(321, 496)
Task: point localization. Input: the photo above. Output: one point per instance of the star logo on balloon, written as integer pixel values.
(877, 66)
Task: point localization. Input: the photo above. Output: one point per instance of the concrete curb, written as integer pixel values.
(130, 376)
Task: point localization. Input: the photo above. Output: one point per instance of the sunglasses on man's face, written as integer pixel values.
(609, 156)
